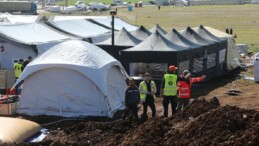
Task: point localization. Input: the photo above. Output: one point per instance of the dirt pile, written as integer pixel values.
(204, 123)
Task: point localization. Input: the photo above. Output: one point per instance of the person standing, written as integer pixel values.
(184, 88)
(26, 62)
(132, 99)
(18, 72)
(169, 90)
(227, 30)
(18, 68)
(15, 70)
(147, 89)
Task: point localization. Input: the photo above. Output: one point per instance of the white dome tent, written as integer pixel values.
(72, 79)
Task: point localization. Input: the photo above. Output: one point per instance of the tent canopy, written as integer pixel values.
(151, 50)
(141, 33)
(121, 38)
(177, 38)
(158, 28)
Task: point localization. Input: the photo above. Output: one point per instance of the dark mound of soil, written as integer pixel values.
(204, 123)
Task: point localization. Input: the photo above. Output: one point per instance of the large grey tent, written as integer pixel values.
(158, 28)
(122, 40)
(26, 39)
(141, 33)
(175, 37)
(206, 62)
(153, 55)
(222, 47)
(155, 49)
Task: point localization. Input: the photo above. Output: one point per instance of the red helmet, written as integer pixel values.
(172, 68)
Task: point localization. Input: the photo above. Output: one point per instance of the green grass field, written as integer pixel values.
(244, 19)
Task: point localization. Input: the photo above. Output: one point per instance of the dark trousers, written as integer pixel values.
(16, 88)
(183, 103)
(133, 108)
(173, 101)
(152, 106)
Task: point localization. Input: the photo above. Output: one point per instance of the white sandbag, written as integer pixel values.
(14, 130)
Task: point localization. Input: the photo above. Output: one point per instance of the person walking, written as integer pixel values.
(26, 62)
(147, 90)
(184, 88)
(169, 89)
(132, 99)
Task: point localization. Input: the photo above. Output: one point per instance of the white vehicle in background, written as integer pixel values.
(125, 3)
(80, 5)
(70, 9)
(98, 6)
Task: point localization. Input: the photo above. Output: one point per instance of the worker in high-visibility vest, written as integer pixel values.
(147, 90)
(184, 88)
(18, 68)
(169, 89)
(18, 72)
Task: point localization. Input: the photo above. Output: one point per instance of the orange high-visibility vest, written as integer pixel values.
(185, 88)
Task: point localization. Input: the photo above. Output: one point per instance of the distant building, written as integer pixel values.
(216, 2)
(254, 1)
(162, 2)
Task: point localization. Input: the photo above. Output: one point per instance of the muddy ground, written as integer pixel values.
(214, 118)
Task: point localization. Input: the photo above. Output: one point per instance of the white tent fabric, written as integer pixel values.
(80, 80)
(31, 33)
(232, 49)
(80, 27)
(20, 18)
(18, 41)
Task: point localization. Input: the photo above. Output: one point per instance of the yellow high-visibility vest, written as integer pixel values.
(170, 88)
(15, 70)
(144, 88)
(18, 70)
